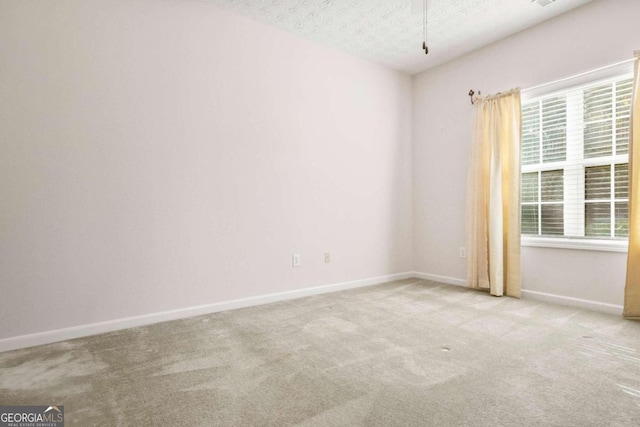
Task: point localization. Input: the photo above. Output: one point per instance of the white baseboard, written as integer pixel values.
(441, 279)
(537, 296)
(573, 302)
(47, 337)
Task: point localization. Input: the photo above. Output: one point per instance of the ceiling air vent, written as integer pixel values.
(543, 3)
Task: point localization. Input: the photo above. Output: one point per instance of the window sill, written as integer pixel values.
(580, 244)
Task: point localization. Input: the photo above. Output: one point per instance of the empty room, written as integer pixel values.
(319, 212)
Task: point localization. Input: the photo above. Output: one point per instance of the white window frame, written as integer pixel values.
(574, 197)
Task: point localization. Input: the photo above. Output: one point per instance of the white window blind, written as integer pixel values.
(575, 161)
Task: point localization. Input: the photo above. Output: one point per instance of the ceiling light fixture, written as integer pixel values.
(424, 30)
(543, 3)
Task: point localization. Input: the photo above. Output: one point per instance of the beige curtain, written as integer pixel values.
(493, 195)
(632, 287)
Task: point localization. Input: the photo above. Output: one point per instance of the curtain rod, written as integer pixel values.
(636, 55)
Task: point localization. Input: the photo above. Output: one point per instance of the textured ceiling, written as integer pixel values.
(390, 33)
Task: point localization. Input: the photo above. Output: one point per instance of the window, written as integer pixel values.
(575, 176)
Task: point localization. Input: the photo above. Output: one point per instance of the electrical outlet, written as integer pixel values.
(295, 260)
(463, 252)
(327, 257)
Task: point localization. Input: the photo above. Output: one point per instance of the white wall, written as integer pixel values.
(156, 155)
(595, 35)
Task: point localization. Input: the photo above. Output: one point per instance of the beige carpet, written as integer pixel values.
(399, 354)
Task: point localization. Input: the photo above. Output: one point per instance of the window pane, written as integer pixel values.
(554, 129)
(529, 223)
(552, 186)
(553, 220)
(531, 133)
(624, 89)
(554, 145)
(597, 219)
(623, 109)
(597, 182)
(622, 219)
(598, 103)
(622, 181)
(530, 187)
(554, 112)
(622, 135)
(598, 139)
